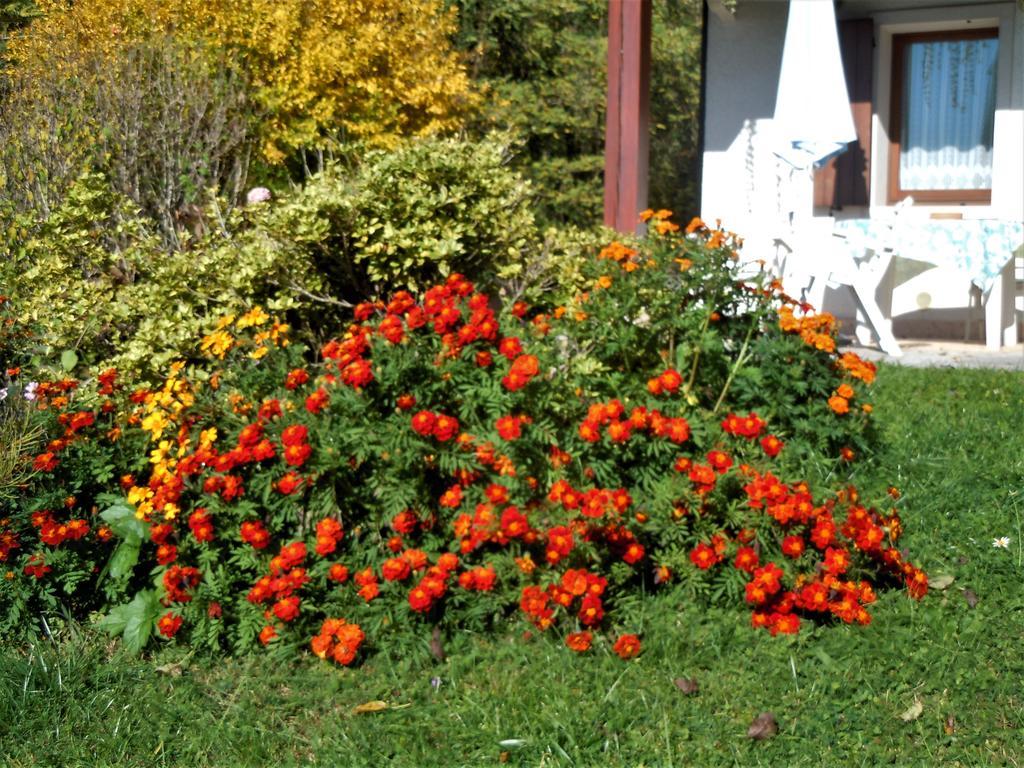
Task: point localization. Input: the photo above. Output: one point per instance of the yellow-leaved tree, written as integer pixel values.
(374, 70)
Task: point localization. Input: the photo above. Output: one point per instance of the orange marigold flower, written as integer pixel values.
(839, 404)
(627, 647)
(579, 641)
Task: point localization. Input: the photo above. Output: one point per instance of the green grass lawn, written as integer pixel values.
(955, 446)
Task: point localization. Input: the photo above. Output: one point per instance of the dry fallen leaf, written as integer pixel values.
(970, 597)
(940, 581)
(913, 711)
(370, 706)
(950, 725)
(174, 670)
(763, 727)
(687, 685)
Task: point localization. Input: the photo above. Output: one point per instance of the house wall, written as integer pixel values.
(745, 185)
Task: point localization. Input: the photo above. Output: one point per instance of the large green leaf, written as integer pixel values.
(134, 621)
(124, 558)
(123, 523)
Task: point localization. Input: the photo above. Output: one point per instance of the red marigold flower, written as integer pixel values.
(290, 483)
(746, 559)
(254, 534)
(783, 624)
(296, 379)
(771, 445)
(523, 369)
(445, 427)
(338, 572)
(405, 402)
(45, 462)
(404, 522)
(793, 546)
(166, 553)
(634, 553)
(579, 641)
(451, 498)
(200, 524)
(703, 556)
(720, 461)
(267, 634)
(627, 647)
(510, 347)
(591, 610)
(295, 434)
(670, 380)
(369, 591)
(619, 431)
(395, 569)
(423, 423)
(287, 608)
(836, 561)
(509, 427)
(317, 401)
(296, 455)
(420, 598)
(168, 624)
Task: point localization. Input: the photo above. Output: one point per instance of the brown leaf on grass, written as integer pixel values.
(436, 648)
(950, 725)
(687, 685)
(970, 597)
(763, 727)
(913, 712)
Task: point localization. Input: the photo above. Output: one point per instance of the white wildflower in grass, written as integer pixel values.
(30, 390)
(1003, 542)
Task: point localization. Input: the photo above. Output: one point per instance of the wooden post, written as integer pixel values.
(628, 116)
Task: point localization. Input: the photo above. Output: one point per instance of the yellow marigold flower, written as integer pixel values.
(139, 494)
(664, 227)
(160, 453)
(216, 344)
(207, 437)
(155, 423)
(144, 510)
(684, 264)
(604, 281)
(176, 368)
(170, 511)
(259, 352)
(255, 316)
(225, 321)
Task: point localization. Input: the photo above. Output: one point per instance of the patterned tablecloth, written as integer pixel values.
(980, 248)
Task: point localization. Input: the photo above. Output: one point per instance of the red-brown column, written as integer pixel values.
(627, 120)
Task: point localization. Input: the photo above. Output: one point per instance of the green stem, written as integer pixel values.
(740, 359)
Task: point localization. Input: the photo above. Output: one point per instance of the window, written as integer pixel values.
(942, 116)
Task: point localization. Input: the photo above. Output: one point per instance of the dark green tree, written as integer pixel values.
(545, 67)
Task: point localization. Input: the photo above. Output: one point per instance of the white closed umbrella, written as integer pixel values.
(812, 121)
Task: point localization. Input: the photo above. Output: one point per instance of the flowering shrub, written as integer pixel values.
(449, 461)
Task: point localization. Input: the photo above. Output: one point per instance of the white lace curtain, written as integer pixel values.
(948, 113)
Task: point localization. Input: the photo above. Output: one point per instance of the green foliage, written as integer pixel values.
(94, 277)
(545, 67)
(436, 207)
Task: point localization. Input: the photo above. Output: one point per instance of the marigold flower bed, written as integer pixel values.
(449, 461)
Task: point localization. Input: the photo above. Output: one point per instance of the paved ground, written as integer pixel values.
(946, 354)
